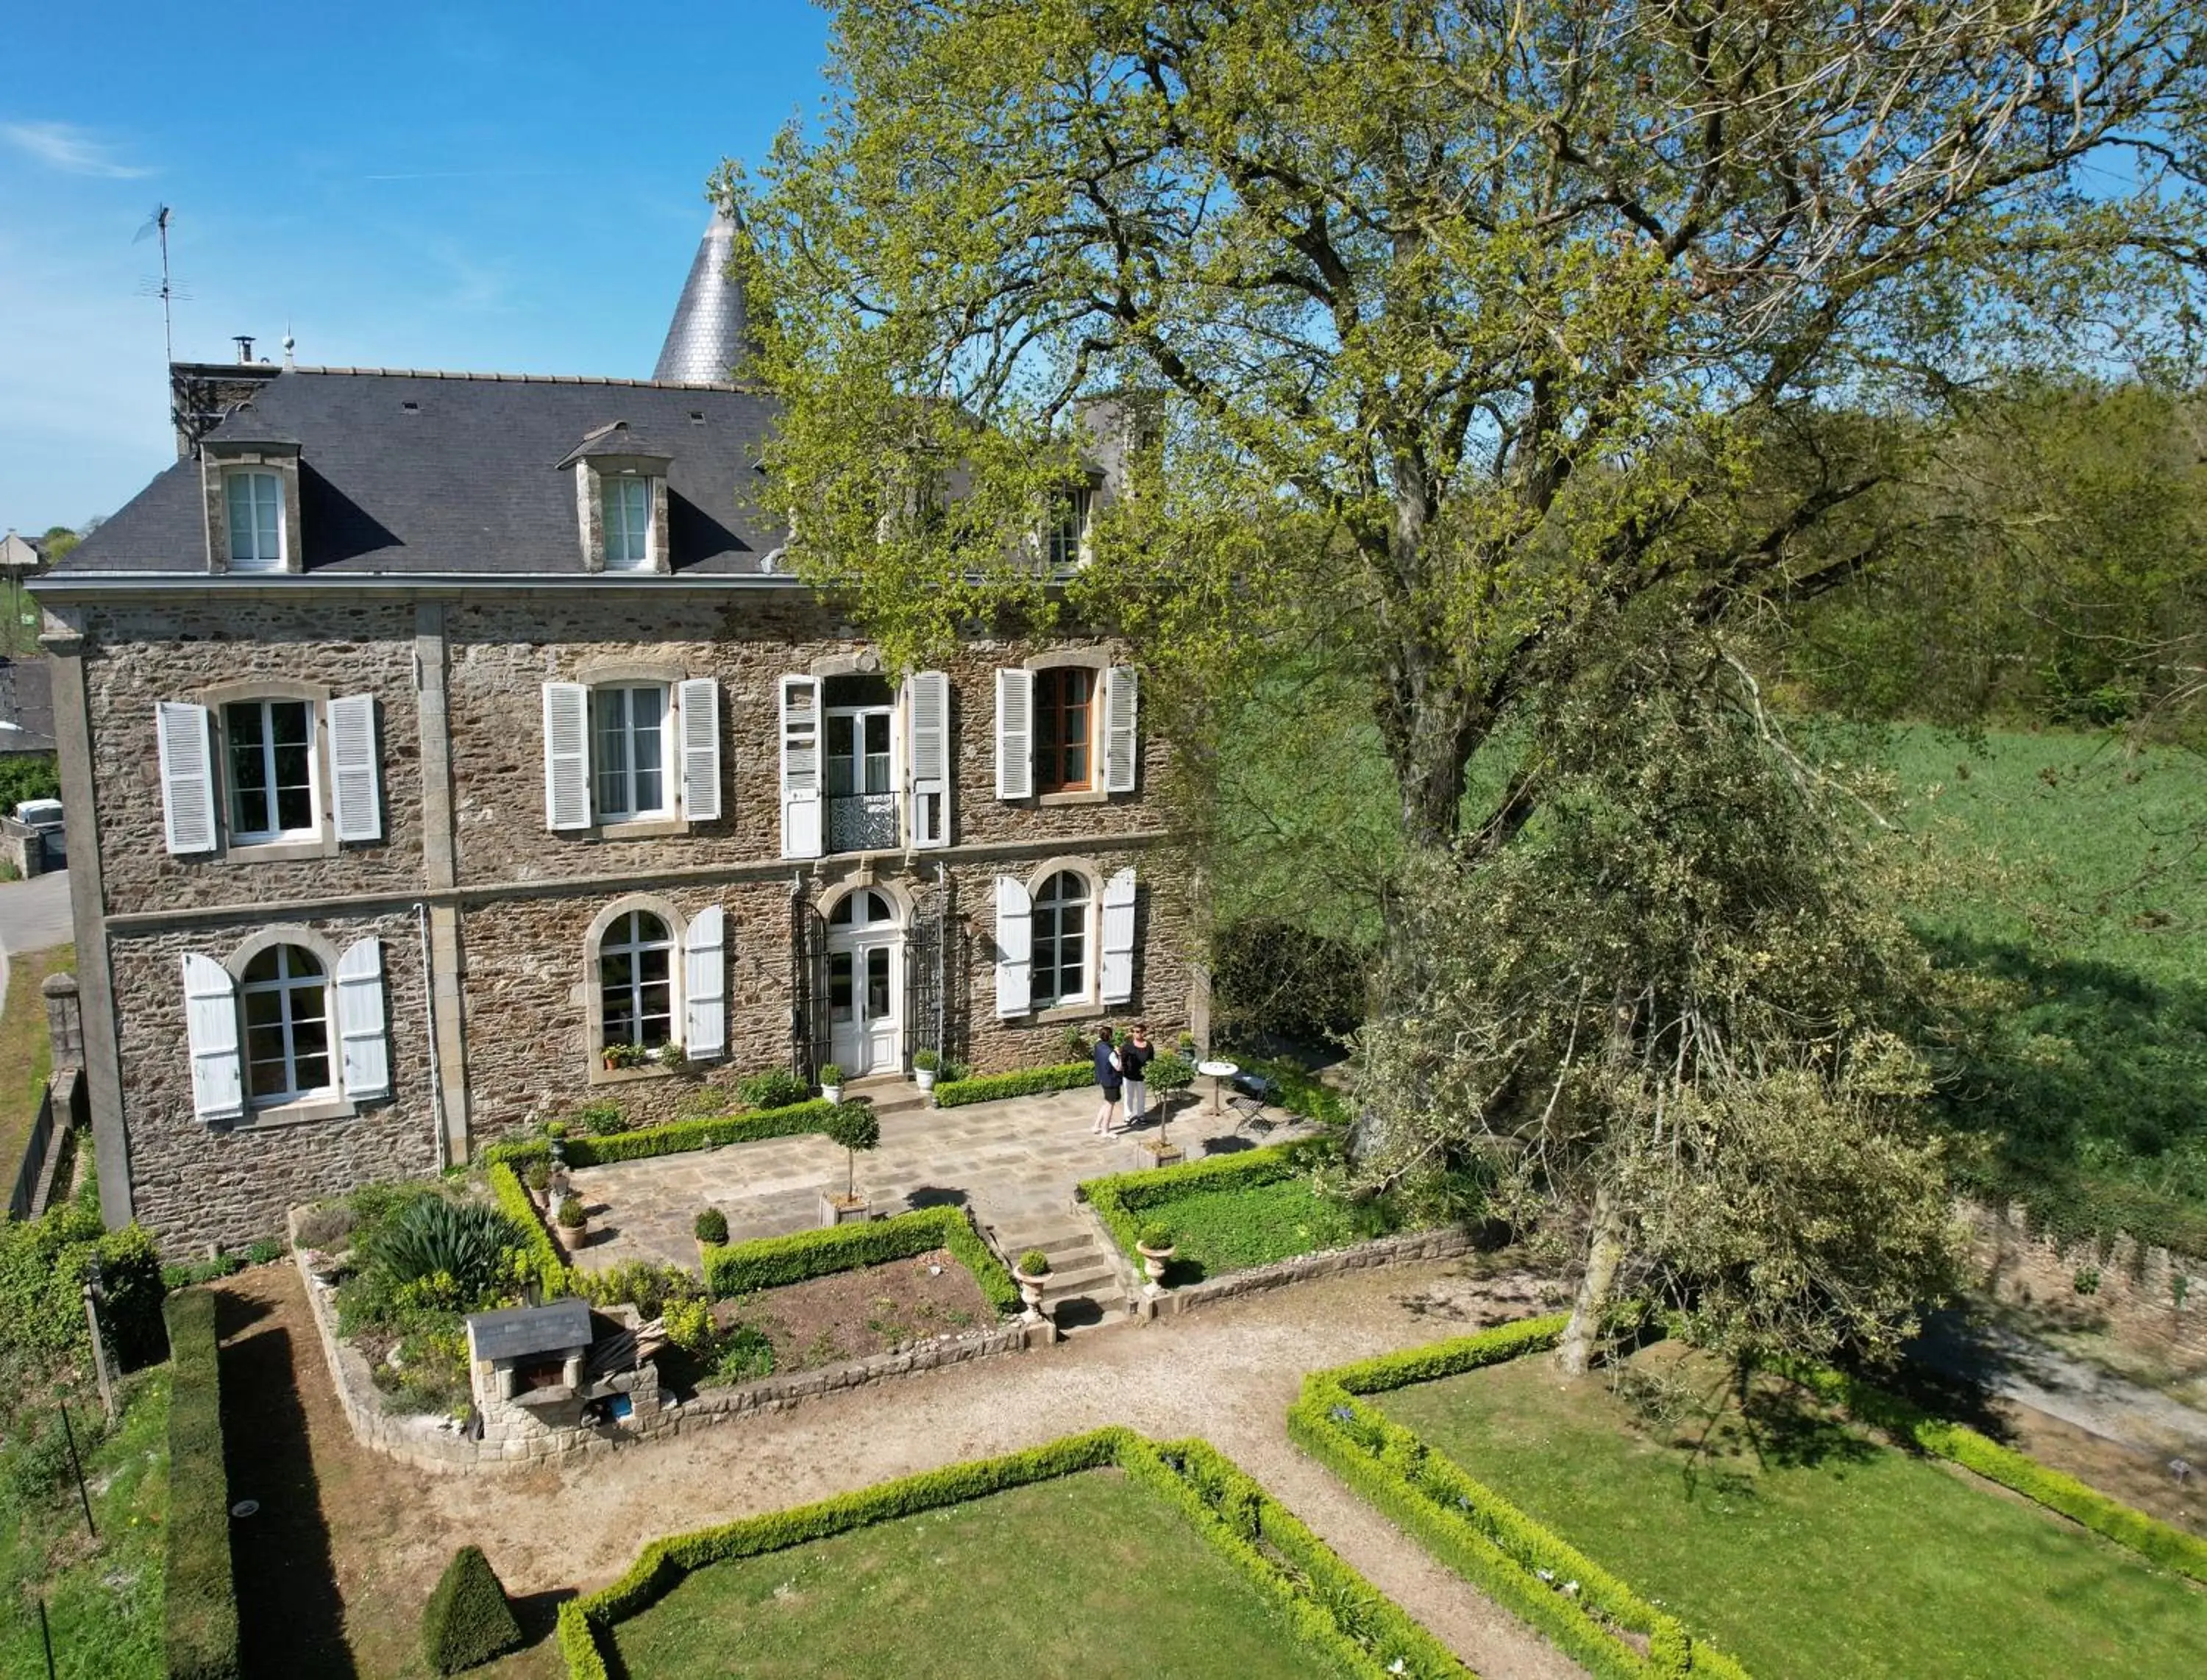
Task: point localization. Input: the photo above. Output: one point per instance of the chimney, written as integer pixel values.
(245, 343)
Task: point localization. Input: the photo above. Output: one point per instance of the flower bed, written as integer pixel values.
(1331, 1610)
(771, 1262)
(851, 1315)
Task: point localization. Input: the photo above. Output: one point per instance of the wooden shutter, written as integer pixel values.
(211, 1030)
(566, 756)
(705, 986)
(357, 803)
(701, 748)
(801, 809)
(1015, 734)
(1014, 946)
(1118, 972)
(1119, 733)
(185, 741)
(930, 711)
(361, 1032)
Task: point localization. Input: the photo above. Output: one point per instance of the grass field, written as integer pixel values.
(1217, 1231)
(27, 1052)
(1803, 1548)
(103, 1598)
(1090, 1575)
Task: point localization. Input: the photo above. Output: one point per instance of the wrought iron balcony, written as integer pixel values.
(863, 822)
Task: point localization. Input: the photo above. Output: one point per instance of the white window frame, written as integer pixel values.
(669, 768)
(254, 479)
(644, 556)
(1088, 935)
(615, 939)
(284, 987)
(1065, 544)
(241, 835)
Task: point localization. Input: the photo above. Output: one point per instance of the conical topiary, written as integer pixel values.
(468, 1620)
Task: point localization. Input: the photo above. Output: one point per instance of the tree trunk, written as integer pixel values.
(1605, 1253)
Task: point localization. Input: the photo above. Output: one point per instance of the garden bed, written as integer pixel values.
(871, 1309)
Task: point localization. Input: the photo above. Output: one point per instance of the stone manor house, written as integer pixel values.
(442, 749)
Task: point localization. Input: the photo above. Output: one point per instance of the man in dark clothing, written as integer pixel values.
(1107, 1080)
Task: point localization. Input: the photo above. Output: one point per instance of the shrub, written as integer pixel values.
(710, 1226)
(540, 1262)
(1273, 978)
(465, 1241)
(830, 1074)
(571, 1216)
(601, 1120)
(745, 1355)
(775, 1088)
(856, 1126)
(199, 1599)
(43, 1265)
(927, 1061)
(538, 1177)
(325, 1227)
(1170, 1072)
(688, 1325)
(262, 1250)
(467, 1621)
(951, 1093)
(1034, 1263)
(651, 1289)
(1155, 1234)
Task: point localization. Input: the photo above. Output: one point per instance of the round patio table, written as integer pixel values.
(1216, 1072)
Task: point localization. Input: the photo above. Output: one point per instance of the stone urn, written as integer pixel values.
(1155, 1260)
(1032, 1283)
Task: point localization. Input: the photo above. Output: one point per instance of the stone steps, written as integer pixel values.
(888, 1093)
(1085, 1289)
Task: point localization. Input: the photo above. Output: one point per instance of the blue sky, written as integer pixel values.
(508, 188)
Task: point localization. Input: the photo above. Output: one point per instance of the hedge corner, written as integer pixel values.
(467, 1621)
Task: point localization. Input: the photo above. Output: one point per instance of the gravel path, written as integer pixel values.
(1226, 1374)
(2030, 1373)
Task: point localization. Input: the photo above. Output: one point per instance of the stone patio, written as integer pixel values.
(1014, 1162)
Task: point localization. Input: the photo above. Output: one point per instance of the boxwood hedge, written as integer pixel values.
(673, 1139)
(467, 1621)
(1021, 1082)
(770, 1262)
(199, 1607)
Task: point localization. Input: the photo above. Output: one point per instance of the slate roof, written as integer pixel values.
(516, 1332)
(410, 472)
(27, 706)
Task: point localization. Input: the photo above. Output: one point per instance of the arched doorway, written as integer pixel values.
(866, 983)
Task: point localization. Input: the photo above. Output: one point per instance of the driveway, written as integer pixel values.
(34, 914)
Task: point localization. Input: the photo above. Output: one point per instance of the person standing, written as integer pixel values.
(1134, 1059)
(1107, 1080)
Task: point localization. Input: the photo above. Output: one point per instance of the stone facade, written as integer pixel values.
(483, 912)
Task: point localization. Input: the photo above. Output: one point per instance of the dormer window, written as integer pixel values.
(1068, 537)
(255, 508)
(628, 524)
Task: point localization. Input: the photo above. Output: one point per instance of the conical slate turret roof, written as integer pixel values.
(705, 341)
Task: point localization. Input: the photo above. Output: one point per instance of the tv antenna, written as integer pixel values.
(157, 224)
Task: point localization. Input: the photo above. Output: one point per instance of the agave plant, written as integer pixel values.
(466, 1241)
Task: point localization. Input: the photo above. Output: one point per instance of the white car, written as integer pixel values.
(39, 813)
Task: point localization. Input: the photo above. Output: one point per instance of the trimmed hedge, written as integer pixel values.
(467, 1621)
(770, 1262)
(1021, 1082)
(1473, 1530)
(199, 1607)
(1120, 1198)
(542, 1257)
(2151, 1538)
(1327, 1603)
(676, 1138)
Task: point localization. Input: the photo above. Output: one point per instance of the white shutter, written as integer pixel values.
(1014, 946)
(701, 748)
(358, 804)
(1015, 734)
(361, 1032)
(1120, 734)
(800, 767)
(182, 733)
(705, 986)
(566, 756)
(930, 711)
(1119, 938)
(211, 1028)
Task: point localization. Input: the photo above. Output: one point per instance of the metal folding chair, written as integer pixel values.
(1252, 1093)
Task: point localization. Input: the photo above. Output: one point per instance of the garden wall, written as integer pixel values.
(2132, 1291)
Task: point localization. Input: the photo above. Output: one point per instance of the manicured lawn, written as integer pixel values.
(1232, 1229)
(103, 1598)
(27, 1051)
(1803, 1548)
(1089, 1574)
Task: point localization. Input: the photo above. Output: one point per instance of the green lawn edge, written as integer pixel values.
(1329, 1605)
(1119, 1198)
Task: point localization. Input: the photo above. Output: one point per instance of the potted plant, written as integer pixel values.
(669, 1054)
(710, 1227)
(626, 1056)
(831, 1082)
(538, 1181)
(1154, 1243)
(925, 1065)
(1032, 1274)
(855, 1126)
(574, 1221)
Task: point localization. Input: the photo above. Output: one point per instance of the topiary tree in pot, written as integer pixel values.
(855, 1127)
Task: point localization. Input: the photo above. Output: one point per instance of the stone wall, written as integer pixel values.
(2133, 1293)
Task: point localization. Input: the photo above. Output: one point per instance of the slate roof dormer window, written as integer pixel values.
(249, 476)
(620, 499)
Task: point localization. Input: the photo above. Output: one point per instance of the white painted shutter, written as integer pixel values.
(1014, 946)
(566, 756)
(185, 743)
(1121, 705)
(211, 1028)
(929, 710)
(705, 986)
(801, 807)
(1119, 938)
(361, 1032)
(358, 803)
(701, 748)
(1015, 734)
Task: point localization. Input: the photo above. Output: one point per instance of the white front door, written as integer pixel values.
(865, 986)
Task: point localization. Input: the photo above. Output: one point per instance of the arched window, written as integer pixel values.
(862, 910)
(287, 1024)
(635, 980)
(1061, 941)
